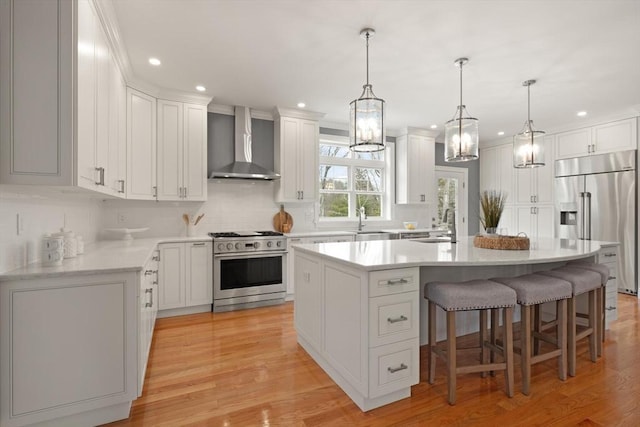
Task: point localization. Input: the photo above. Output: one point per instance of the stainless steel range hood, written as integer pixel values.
(243, 167)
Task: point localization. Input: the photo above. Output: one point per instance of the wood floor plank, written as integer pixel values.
(245, 368)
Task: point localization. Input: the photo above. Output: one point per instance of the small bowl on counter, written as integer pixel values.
(410, 225)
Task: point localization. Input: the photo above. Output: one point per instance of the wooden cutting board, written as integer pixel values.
(282, 221)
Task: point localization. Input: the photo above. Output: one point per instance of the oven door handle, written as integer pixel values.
(245, 255)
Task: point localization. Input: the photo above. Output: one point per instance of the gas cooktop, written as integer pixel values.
(245, 234)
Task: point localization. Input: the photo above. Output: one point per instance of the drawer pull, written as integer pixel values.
(402, 318)
(397, 282)
(612, 277)
(148, 272)
(402, 367)
(611, 307)
(610, 254)
(198, 244)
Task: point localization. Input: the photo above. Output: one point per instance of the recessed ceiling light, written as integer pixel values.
(434, 126)
(154, 61)
(201, 88)
(582, 113)
(301, 105)
(501, 133)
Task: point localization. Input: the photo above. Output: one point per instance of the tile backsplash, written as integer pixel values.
(41, 211)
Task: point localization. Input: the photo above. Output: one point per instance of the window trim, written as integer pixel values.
(387, 179)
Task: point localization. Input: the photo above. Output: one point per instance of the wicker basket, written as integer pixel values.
(514, 243)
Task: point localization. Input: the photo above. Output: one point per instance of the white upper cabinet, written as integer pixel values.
(72, 137)
(296, 136)
(497, 171)
(141, 145)
(415, 167)
(182, 151)
(605, 138)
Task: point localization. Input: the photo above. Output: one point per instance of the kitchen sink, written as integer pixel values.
(374, 235)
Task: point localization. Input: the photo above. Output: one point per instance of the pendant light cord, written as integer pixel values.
(529, 103)
(460, 115)
(367, 38)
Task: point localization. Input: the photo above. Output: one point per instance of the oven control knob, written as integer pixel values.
(229, 246)
(256, 245)
(221, 246)
(269, 243)
(278, 244)
(238, 246)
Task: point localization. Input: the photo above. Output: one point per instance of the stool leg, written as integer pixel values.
(432, 343)
(526, 349)
(495, 320)
(600, 319)
(571, 335)
(537, 325)
(593, 324)
(508, 348)
(484, 353)
(561, 328)
(451, 356)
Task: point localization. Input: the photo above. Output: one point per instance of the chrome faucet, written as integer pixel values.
(450, 219)
(361, 213)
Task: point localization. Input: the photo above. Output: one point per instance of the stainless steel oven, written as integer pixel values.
(249, 270)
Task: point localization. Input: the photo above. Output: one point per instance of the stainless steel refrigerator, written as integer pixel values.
(596, 200)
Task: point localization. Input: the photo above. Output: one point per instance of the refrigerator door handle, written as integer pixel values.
(581, 216)
(587, 216)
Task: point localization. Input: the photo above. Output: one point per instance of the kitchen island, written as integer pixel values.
(360, 311)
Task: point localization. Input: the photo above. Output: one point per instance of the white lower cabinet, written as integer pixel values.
(68, 351)
(608, 256)
(361, 328)
(147, 314)
(185, 276)
(309, 239)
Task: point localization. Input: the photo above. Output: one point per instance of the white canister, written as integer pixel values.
(70, 243)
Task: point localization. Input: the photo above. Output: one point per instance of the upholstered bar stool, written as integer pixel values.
(531, 291)
(481, 295)
(582, 281)
(604, 272)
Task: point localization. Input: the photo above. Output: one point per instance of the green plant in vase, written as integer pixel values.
(492, 204)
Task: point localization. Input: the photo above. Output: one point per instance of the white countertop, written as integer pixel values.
(100, 257)
(384, 254)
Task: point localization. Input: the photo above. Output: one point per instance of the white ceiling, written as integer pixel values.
(585, 55)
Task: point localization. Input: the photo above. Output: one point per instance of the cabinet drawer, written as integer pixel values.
(393, 367)
(393, 318)
(388, 282)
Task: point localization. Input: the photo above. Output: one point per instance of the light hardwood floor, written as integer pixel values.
(246, 369)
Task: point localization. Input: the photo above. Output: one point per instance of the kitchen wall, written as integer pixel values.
(41, 211)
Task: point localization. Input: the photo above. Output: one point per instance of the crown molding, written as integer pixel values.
(297, 114)
(419, 131)
(229, 110)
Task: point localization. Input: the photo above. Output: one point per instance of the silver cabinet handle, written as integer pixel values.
(155, 191)
(402, 367)
(610, 254)
(198, 244)
(589, 148)
(156, 257)
(612, 277)
(148, 272)
(121, 182)
(149, 291)
(611, 307)
(101, 180)
(397, 282)
(402, 318)
(186, 192)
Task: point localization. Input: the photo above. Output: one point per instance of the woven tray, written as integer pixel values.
(515, 243)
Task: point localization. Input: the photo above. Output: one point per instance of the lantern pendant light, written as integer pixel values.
(528, 150)
(461, 132)
(367, 131)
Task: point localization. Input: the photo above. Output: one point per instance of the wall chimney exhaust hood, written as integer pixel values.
(243, 167)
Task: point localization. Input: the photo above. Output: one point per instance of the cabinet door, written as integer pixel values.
(544, 176)
(615, 136)
(524, 183)
(86, 95)
(171, 276)
(508, 222)
(102, 61)
(36, 87)
(544, 221)
(573, 144)
(525, 220)
(170, 134)
(506, 172)
(199, 277)
(288, 189)
(416, 169)
(308, 300)
(488, 168)
(117, 142)
(307, 155)
(141, 145)
(195, 152)
(121, 92)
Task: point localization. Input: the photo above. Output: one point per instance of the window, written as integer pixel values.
(349, 180)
